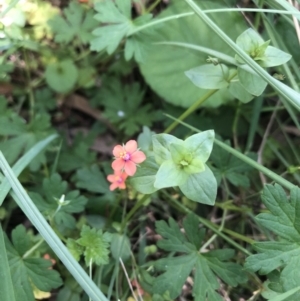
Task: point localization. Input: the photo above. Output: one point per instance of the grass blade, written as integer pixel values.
(6, 286)
(23, 162)
(37, 219)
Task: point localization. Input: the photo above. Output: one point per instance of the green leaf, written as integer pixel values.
(28, 271)
(239, 92)
(78, 23)
(170, 62)
(92, 179)
(191, 261)
(209, 76)
(170, 175)
(6, 285)
(61, 76)
(121, 103)
(144, 178)
(117, 25)
(228, 166)
(75, 248)
(275, 57)
(161, 143)
(47, 201)
(253, 84)
(96, 245)
(120, 247)
(201, 144)
(42, 226)
(201, 187)
(283, 255)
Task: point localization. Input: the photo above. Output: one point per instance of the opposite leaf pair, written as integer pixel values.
(175, 162)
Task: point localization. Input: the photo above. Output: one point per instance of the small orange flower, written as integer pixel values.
(127, 157)
(117, 180)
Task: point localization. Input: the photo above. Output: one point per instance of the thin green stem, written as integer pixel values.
(272, 175)
(203, 248)
(9, 7)
(152, 6)
(133, 211)
(195, 106)
(31, 250)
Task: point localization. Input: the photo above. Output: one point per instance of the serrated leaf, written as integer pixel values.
(75, 249)
(117, 25)
(78, 23)
(96, 245)
(92, 179)
(47, 201)
(178, 268)
(283, 220)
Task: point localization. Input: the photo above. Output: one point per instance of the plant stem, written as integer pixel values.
(133, 211)
(215, 235)
(195, 106)
(31, 250)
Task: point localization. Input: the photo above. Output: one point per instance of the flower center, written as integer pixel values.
(125, 156)
(119, 179)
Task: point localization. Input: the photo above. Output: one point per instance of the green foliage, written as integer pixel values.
(121, 103)
(95, 245)
(165, 65)
(118, 24)
(78, 23)
(19, 136)
(205, 266)
(61, 76)
(78, 154)
(283, 255)
(227, 166)
(259, 50)
(48, 202)
(28, 271)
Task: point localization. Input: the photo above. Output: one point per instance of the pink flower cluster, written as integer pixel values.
(126, 159)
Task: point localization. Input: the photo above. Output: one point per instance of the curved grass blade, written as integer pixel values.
(6, 286)
(22, 163)
(37, 219)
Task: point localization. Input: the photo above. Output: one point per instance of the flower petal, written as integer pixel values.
(117, 150)
(113, 186)
(111, 178)
(138, 157)
(118, 164)
(122, 185)
(131, 146)
(130, 168)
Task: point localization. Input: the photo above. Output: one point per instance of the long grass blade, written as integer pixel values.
(37, 219)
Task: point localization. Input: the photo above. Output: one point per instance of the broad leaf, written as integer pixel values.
(201, 187)
(61, 76)
(209, 76)
(167, 78)
(239, 92)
